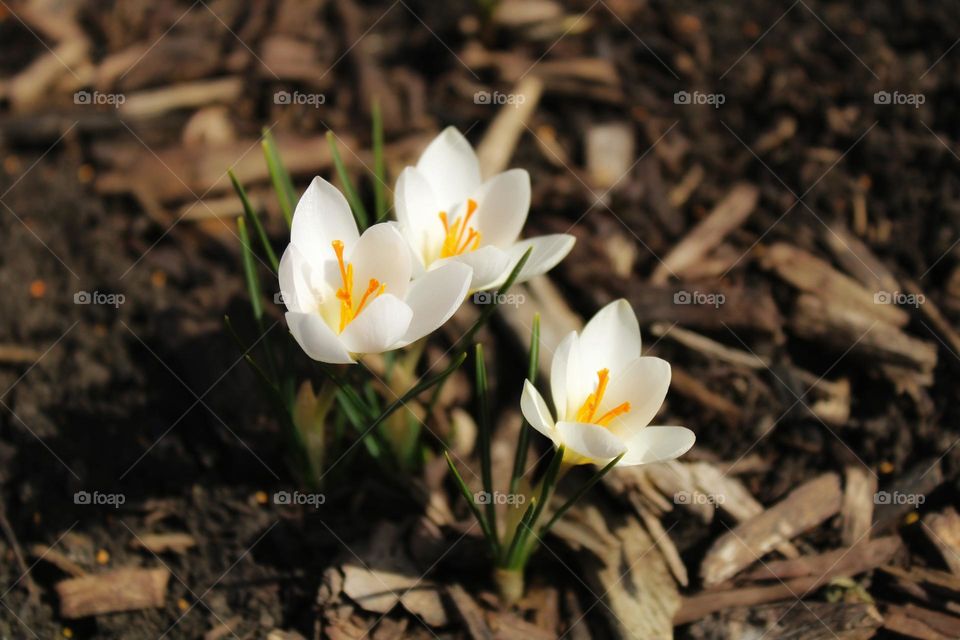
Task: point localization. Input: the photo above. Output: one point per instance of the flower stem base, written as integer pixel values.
(509, 585)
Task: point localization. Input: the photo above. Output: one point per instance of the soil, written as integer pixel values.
(149, 398)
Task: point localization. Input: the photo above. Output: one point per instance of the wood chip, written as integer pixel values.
(610, 153)
(943, 529)
(804, 508)
(859, 494)
(727, 215)
(119, 590)
(470, 613)
(813, 275)
(918, 622)
(859, 559)
(163, 542)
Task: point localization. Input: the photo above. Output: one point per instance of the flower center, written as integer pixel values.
(460, 236)
(589, 408)
(348, 309)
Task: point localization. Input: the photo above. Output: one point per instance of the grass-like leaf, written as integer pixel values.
(253, 219)
(523, 443)
(379, 164)
(282, 184)
(485, 428)
(359, 211)
(472, 503)
(250, 271)
(579, 494)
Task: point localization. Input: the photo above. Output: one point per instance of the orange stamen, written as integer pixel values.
(454, 242)
(345, 292)
(592, 403)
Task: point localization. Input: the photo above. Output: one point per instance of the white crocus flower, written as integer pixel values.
(447, 213)
(348, 294)
(605, 394)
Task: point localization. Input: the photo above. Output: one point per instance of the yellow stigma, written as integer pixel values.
(460, 236)
(589, 408)
(345, 293)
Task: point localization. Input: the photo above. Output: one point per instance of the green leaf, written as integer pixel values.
(472, 503)
(486, 465)
(253, 219)
(546, 490)
(282, 184)
(579, 494)
(250, 272)
(379, 164)
(523, 444)
(359, 211)
(417, 390)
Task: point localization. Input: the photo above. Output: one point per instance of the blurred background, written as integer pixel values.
(771, 185)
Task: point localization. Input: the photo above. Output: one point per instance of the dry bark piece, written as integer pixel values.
(687, 385)
(710, 348)
(822, 620)
(843, 328)
(804, 508)
(119, 590)
(858, 260)
(943, 530)
(57, 559)
(383, 576)
(639, 595)
(163, 542)
(496, 148)
(918, 622)
(610, 153)
(470, 613)
(854, 561)
(727, 215)
(859, 494)
(817, 565)
(156, 102)
(810, 274)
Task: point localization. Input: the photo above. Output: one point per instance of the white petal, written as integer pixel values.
(295, 276)
(547, 252)
(434, 297)
(535, 410)
(503, 202)
(418, 212)
(317, 339)
(657, 444)
(381, 253)
(643, 383)
(611, 340)
(565, 359)
(322, 216)
(378, 328)
(488, 264)
(451, 167)
(590, 441)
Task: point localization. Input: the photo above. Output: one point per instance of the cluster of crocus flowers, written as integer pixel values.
(605, 394)
(349, 294)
